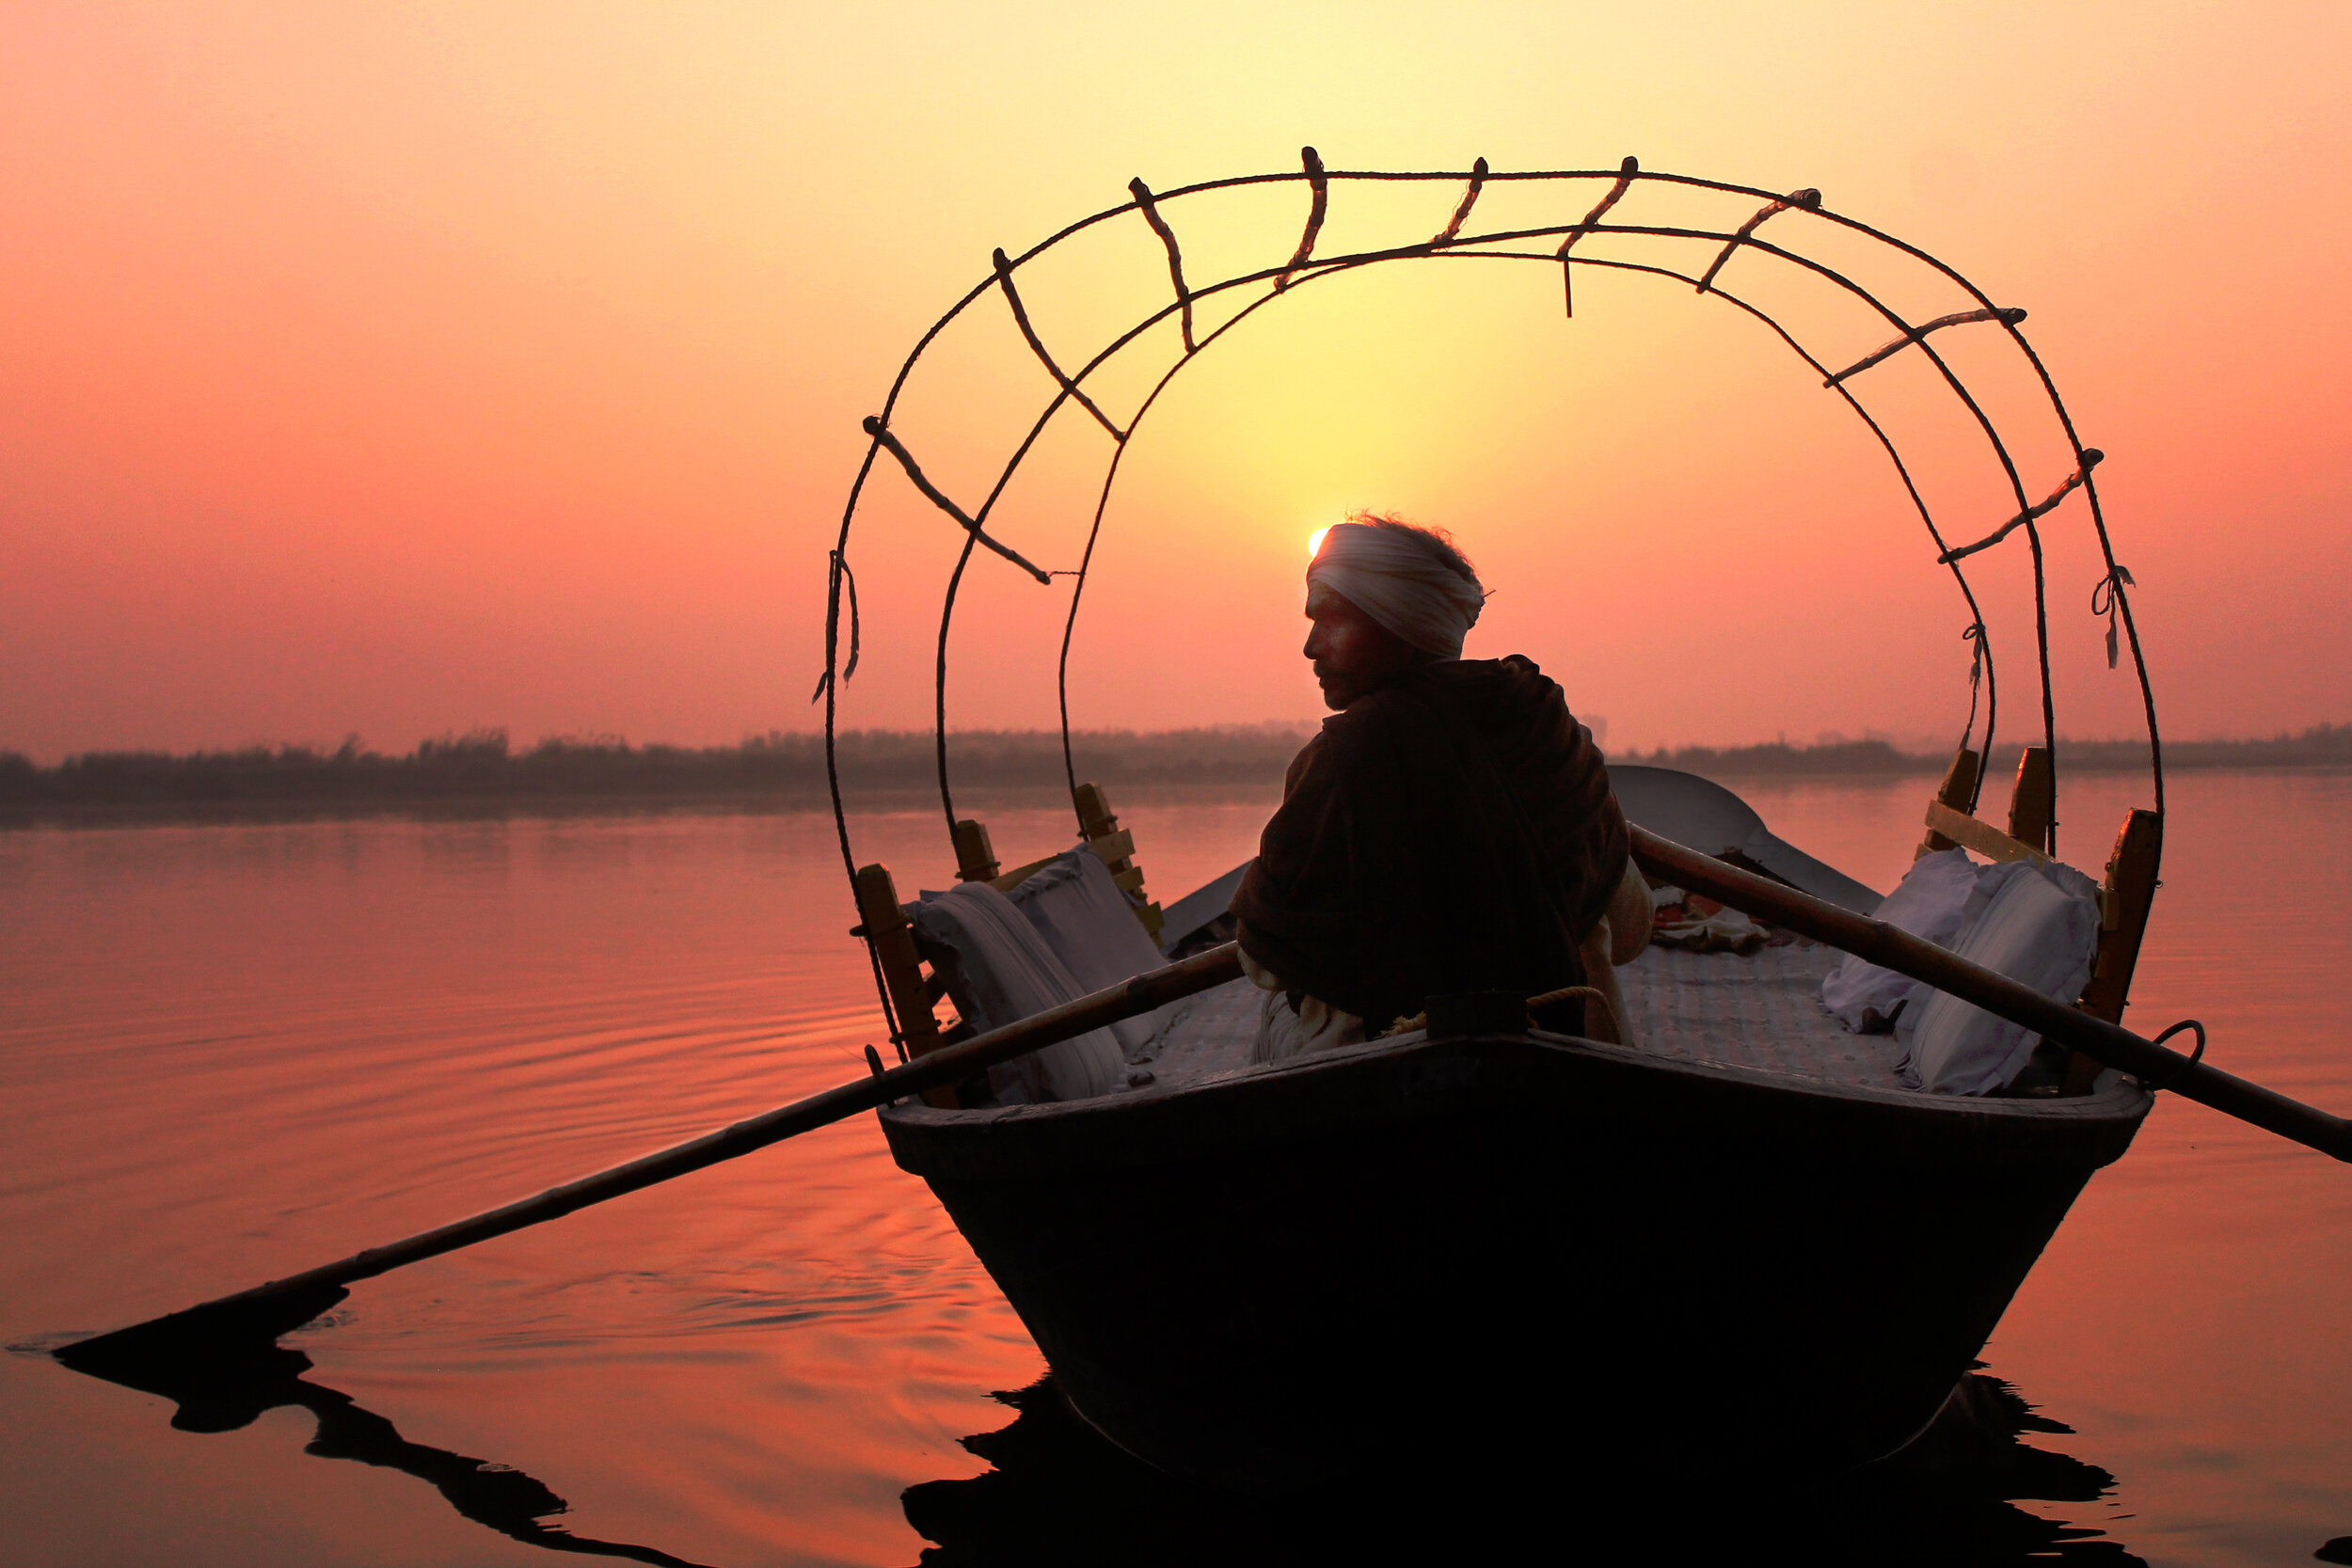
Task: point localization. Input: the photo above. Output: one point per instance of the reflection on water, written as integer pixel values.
(230, 1052)
(225, 1393)
(1060, 1495)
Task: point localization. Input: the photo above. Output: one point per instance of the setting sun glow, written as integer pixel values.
(403, 370)
(1314, 541)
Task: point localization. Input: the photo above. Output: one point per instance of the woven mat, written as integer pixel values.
(1761, 1010)
(1210, 1032)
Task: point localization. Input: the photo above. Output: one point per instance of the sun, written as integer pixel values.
(1314, 541)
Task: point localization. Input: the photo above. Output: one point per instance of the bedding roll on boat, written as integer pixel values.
(1744, 1236)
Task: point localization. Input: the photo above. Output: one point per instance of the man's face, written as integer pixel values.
(1353, 653)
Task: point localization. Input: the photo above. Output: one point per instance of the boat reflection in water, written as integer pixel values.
(232, 1390)
(1062, 1493)
(1059, 1492)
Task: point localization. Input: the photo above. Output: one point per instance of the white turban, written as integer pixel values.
(1395, 579)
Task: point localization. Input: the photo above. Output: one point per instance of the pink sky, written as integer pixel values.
(402, 369)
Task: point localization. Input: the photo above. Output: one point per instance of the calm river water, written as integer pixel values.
(228, 1052)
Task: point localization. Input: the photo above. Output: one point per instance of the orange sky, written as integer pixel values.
(405, 367)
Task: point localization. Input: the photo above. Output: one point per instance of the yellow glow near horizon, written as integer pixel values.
(408, 369)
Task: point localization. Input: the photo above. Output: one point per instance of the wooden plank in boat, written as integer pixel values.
(1020, 874)
(975, 856)
(1113, 849)
(1982, 837)
(2124, 900)
(1958, 788)
(886, 925)
(2033, 798)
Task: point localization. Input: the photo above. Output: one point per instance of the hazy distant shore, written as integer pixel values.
(881, 768)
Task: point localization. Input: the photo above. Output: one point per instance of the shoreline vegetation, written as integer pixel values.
(480, 769)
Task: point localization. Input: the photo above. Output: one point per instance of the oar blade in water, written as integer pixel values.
(232, 1330)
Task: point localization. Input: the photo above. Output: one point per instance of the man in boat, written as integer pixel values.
(1451, 829)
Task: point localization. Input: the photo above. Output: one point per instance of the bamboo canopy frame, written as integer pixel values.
(1780, 228)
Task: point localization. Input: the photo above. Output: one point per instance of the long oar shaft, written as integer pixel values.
(948, 1066)
(1898, 950)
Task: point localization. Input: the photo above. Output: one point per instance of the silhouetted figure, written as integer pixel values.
(1451, 829)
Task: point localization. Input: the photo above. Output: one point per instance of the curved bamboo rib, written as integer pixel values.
(971, 524)
(1462, 213)
(1626, 171)
(2011, 316)
(1151, 209)
(1021, 318)
(2092, 458)
(1809, 199)
(1318, 204)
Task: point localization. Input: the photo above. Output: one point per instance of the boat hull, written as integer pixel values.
(1272, 1279)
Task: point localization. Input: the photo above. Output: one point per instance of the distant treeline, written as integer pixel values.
(481, 765)
(2323, 745)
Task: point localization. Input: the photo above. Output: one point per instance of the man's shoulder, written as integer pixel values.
(1505, 691)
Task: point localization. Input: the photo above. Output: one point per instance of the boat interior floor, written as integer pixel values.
(1760, 1009)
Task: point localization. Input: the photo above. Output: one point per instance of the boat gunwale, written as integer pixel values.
(1406, 1078)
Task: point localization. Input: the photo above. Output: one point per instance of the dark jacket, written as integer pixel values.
(1455, 833)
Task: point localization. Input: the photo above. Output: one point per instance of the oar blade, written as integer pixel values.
(235, 1329)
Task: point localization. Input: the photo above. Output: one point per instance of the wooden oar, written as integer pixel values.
(266, 1311)
(1898, 950)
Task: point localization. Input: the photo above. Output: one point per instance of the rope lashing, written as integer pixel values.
(2194, 1057)
(1626, 173)
(972, 526)
(1974, 636)
(1151, 209)
(1404, 1026)
(1021, 317)
(1808, 199)
(1319, 203)
(2092, 457)
(2106, 598)
(2008, 317)
(1462, 213)
(1589, 993)
(839, 579)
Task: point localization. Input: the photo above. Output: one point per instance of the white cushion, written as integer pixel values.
(2035, 923)
(1004, 972)
(1092, 929)
(1927, 903)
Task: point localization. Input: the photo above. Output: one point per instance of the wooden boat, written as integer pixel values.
(1735, 1239)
